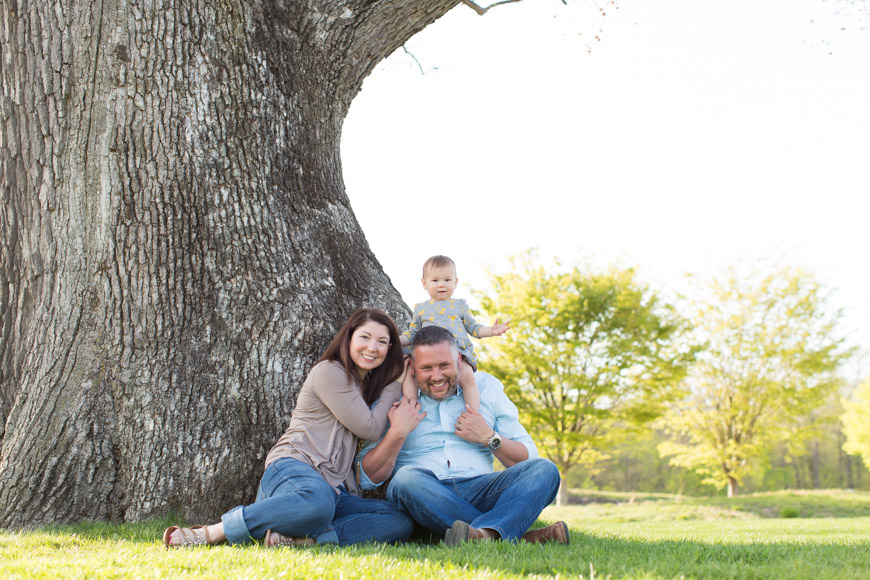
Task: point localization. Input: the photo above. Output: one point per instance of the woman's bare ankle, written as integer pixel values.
(216, 533)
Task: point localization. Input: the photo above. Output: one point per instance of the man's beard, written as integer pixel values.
(451, 389)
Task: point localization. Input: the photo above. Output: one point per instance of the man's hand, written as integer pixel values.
(472, 427)
(404, 417)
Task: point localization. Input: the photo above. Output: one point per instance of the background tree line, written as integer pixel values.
(737, 383)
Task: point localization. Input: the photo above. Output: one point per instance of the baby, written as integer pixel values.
(439, 280)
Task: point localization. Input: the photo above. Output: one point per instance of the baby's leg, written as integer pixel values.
(409, 387)
(469, 385)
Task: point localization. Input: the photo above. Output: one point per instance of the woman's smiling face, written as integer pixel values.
(369, 344)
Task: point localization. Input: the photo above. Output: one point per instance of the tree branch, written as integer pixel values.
(420, 66)
(481, 10)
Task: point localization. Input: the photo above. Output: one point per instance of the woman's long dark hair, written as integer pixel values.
(378, 378)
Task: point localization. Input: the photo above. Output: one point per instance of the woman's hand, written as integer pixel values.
(378, 463)
(404, 417)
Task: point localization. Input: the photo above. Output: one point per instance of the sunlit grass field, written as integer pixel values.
(772, 536)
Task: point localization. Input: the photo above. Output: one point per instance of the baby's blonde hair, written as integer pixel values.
(438, 261)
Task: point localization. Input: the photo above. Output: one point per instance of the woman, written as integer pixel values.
(302, 499)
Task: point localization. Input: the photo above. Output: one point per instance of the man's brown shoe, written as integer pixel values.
(461, 532)
(557, 532)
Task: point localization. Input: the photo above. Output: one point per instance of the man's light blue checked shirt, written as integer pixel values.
(434, 446)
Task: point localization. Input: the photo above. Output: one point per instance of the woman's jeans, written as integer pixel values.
(295, 500)
(507, 501)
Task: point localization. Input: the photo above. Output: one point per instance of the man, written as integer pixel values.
(439, 452)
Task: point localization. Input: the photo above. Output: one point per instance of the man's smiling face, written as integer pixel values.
(436, 370)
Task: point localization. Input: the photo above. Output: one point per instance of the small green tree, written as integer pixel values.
(586, 350)
(770, 358)
(856, 422)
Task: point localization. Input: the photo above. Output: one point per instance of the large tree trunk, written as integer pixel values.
(176, 245)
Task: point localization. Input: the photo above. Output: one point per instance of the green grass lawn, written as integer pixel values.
(630, 536)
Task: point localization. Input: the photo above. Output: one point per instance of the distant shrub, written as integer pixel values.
(789, 512)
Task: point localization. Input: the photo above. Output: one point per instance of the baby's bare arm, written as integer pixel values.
(496, 329)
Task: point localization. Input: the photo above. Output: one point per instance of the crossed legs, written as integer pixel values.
(505, 503)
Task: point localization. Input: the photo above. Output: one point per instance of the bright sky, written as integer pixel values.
(693, 135)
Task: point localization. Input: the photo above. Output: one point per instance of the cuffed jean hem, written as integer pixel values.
(237, 532)
(329, 537)
(235, 528)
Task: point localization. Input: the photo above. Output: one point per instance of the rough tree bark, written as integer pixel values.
(176, 245)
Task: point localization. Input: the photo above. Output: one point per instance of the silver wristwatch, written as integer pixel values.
(494, 442)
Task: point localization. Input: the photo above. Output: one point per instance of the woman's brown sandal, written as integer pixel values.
(274, 539)
(189, 537)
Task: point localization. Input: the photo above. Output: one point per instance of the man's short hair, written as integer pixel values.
(432, 335)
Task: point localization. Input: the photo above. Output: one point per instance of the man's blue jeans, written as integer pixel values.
(295, 500)
(508, 501)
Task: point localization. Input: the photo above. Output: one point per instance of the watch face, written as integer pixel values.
(495, 442)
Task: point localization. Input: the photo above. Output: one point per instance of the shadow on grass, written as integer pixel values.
(629, 558)
(145, 531)
(609, 556)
